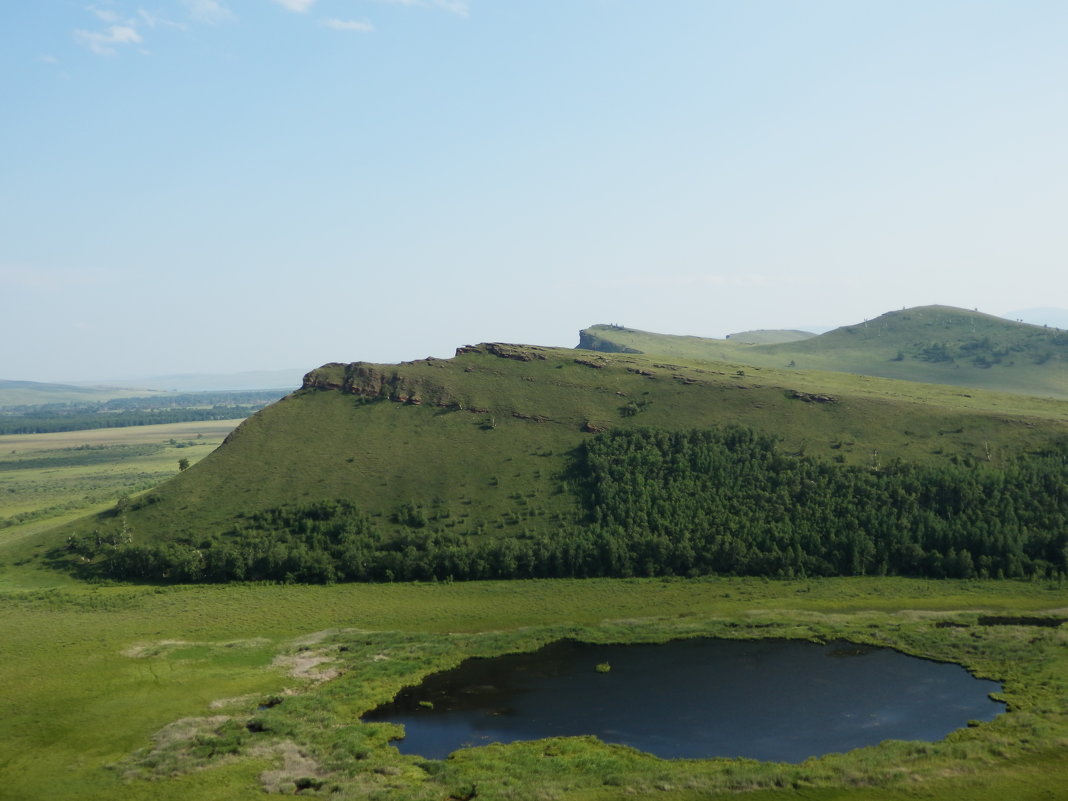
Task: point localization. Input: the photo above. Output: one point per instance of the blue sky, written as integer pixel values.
(225, 185)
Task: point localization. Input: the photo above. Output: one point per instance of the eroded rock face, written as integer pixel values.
(403, 385)
(597, 364)
(503, 350)
(809, 397)
(377, 381)
(590, 341)
(322, 377)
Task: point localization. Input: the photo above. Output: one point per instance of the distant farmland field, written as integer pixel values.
(48, 478)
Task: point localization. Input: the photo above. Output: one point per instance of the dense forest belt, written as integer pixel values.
(707, 502)
(729, 502)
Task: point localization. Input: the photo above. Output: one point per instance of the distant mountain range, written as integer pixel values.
(34, 393)
(932, 344)
(26, 393)
(213, 382)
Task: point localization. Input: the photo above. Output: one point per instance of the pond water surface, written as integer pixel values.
(780, 700)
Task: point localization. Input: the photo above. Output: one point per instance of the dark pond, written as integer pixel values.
(780, 700)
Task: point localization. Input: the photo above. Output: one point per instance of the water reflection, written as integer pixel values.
(782, 700)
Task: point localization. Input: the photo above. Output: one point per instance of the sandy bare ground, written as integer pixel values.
(295, 765)
(306, 665)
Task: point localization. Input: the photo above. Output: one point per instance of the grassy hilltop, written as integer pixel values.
(934, 344)
(408, 470)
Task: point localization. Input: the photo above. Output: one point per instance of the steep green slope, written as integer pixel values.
(483, 447)
(935, 344)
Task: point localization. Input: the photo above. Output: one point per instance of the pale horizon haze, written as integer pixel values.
(217, 186)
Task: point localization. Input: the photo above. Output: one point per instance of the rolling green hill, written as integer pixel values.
(407, 470)
(934, 344)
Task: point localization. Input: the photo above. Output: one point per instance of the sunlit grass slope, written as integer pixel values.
(935, 344)
(481, 441)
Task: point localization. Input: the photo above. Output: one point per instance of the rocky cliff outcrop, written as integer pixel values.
(379, 381)
(590, 341)
(410, 382)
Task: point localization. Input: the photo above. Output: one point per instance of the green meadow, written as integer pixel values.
(218, 692)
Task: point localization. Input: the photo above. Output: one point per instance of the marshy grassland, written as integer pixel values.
(218, 692)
